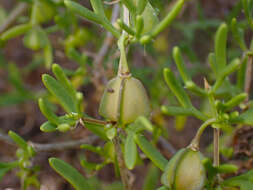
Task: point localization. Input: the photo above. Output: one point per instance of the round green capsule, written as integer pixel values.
(124, 100)
(185, 171)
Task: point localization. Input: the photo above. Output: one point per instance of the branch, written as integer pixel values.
(53, 146)
(63, 145)
(164, 142)
(18, 10)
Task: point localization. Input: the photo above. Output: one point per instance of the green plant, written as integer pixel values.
(125, 105)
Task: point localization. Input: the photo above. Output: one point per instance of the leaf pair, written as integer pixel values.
(66, 95)
(61, 89)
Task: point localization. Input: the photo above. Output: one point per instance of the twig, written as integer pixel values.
(167, 145)
(18, 10)
(53, 146)
(63, 145)
(164, 142)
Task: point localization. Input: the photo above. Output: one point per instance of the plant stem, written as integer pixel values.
(123, 71)
(195, 142)
(124, 172)
(123, 66)
(216, 133)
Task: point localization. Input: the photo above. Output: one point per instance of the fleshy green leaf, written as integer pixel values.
(244, 181)
(220, 47)
(235, 101)
(241, 74)
(70, 174)
(151, 152)
(48, 127)
(98, 7)
(83, 11)
(141, 6)
(64, 98)
(172, 110)
(238, 34)
(169, 18)
(96, 128)
(48, 55)
(227, 168)
(47, 111)
(130, 151)
(15, 31)
(86, 13)
(245, 118)
(63, 79)
(152, 178)
(18, 140)
(145, 123)
(247, 12)
(189, 84)
(177, 88)
(180, 64)
(226, 71)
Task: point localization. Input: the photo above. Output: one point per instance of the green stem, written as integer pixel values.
(195, 142)
(124, 172)
(123, 66)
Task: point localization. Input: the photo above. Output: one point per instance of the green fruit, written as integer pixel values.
(35, 39)
(124, 100)
(185, 171)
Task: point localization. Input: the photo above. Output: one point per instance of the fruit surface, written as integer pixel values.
(124, 99)
(185, 171)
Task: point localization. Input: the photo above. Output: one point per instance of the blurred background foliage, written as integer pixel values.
(59, 36)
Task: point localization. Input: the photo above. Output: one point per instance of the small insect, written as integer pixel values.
(110, 90)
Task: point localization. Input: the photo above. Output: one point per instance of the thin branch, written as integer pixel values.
(167, 145)
(52, 146)
(63, 145)
(15, 13)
